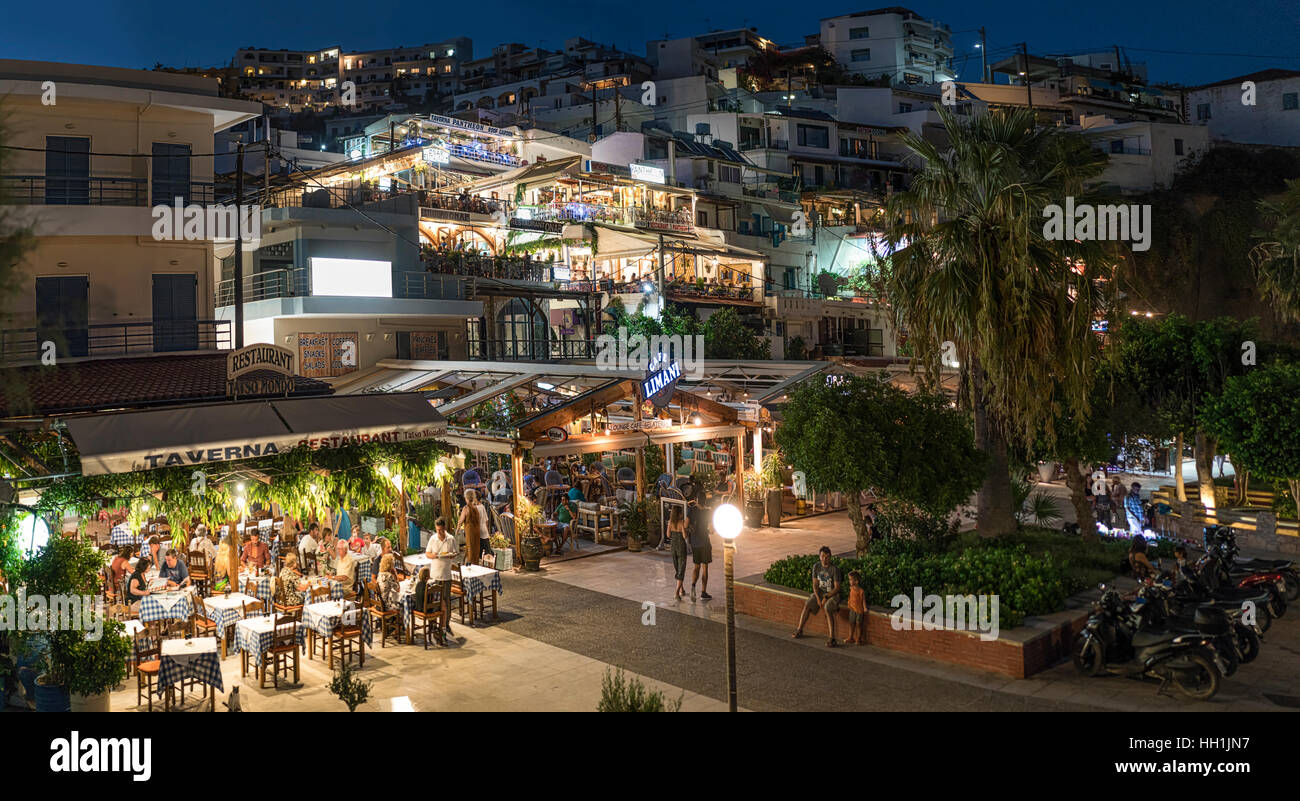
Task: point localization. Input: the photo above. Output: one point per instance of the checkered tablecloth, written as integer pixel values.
(166, 606)
(323, 617)
(226, 611)
(265, 587)
(255, 635)
(478, 579)
(197, 658)
(121, 535)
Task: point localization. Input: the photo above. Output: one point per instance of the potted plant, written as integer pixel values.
(97, 666)
(1046, 471)
(353, 692)
(771, 475)
(530, 542)
(636, 522)
(503, 551)
(754, 502)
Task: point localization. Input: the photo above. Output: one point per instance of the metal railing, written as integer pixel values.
(39, 190)
(285, 283)
(114, 339)
(532, 349)
(514, 268)
(687, 291)
(633, 216)
(427, 286)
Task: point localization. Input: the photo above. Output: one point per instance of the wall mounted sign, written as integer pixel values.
(323, 355)
(640, 425)
(557, 434)
(545, 226)
(451, 215)
(660, 383)
(273, 365)
(644, 172)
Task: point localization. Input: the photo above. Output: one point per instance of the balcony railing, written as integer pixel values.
(427, 286)
(708, 292)
(267, 285)
(514, 268)
(633, 216)
(39, 190)
(532, 349)
(115, 339)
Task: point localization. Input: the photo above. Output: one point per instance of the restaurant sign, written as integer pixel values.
(465, 125)
(273, 364)
(640, 425)
(450, 215)
(545, 226)
(209, 453)
(660, 383)
(557, 434)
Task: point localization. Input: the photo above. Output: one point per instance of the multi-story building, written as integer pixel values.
(895, 43)
(1223, 108)
(1082, 86)
(1144, 155)
(104, 150)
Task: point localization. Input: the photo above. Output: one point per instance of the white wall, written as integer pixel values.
(1265, 123)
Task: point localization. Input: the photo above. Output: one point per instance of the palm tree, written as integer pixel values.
(1277, 258)
(972, 265)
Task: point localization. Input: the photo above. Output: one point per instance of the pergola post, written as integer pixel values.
(738, 464)
(517, 490)
(640, 454)
(402, 533)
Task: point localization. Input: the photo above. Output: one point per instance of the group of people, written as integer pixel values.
(1118, 505)
(825, 598)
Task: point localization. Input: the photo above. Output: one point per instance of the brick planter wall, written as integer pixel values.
(1017, 653)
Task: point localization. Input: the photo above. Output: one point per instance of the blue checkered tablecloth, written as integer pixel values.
(178, 664)
(255, 637)
(322, 618)
(226, 611)
(477, 580)
(265, 587)
(152, 608)
(121, 535)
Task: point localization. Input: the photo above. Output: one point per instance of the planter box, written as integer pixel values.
(505, 558)
(1018, 653)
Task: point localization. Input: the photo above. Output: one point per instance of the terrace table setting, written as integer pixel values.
(253, 636)
(323, 617)
(194, 659)
(174, 605)
(265, 587)
(479, 579)
(226, 610)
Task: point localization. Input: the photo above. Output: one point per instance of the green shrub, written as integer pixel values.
(1284, 505)
(620, 694)
(901, 521)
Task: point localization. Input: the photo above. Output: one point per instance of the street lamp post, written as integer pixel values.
(727, 522)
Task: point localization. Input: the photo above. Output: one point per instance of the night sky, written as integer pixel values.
(1202, 40)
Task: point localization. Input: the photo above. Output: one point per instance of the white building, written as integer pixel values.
(894, 42)
(1273, 119)
(1144, 155)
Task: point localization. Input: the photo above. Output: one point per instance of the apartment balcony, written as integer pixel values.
(786, 196)
(475, 265)
(707, 294)
(295, 283)
(548, 349)
(138, 337)
(38, 190)
(631, 216)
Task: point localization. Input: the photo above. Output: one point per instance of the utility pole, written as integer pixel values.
(618, 111)
(593, 113)
(1029, 93)
(984, 57)
(239, 248)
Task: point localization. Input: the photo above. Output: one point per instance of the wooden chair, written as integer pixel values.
(381, 617)
(309, 563)
(253, 609)
(458, 593)
(319, 594)
(427, 620)
(345, 639)
(291, 611)
(489, 560)
(199, 575)
(591, 518)
(148, 661)
(283, 650)
(200, 624)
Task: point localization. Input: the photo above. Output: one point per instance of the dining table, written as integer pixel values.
(324, 616)
(173, 605)
(194, 658)
(253, 638)
(225, 610)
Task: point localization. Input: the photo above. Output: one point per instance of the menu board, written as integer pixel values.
(328, 354)
(425, 344)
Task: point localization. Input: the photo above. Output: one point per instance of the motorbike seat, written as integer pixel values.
(1148, 638)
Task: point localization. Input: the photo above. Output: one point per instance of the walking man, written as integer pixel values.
(701, 548)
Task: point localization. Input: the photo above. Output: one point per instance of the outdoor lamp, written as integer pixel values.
(144, 507)
(727, 521)
(647, 287)
(697, 420)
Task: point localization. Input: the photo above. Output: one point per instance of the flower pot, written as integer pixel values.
(753, 514)
(633, 544)
(52, 698)
(90, 703)
(773, 504)
(531, 552)
(1046, 471)
(505, 558)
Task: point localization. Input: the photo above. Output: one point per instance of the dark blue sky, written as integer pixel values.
(1213, 39)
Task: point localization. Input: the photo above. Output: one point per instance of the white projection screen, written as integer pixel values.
(351, 278)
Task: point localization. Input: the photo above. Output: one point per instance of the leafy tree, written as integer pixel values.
(974, 265)
(1172, 364)
(1277, 258)
(1083, 440)
(726, 337)
(854, 433)
(1257, 418)
(16, 239)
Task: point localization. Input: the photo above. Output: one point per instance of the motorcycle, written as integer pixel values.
(1159, 608)
(1112, 640)
(1223, 541)
(1194, 589)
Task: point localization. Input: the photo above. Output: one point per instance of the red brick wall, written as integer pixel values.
(956, 647)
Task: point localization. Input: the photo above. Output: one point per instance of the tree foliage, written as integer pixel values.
(1257, 419)
(1277, 258)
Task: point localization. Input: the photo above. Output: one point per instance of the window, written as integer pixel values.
(861, 55)
(1290, 101)
(702, 219)
(904, 108)
(1178, 147)
(1117, 145)
(61, 313)
(175, 312)
(1202, 111)
(729, 174)
(67, 170)
(859, 33)
(814, 136)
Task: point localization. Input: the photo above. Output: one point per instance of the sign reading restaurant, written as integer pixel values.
(262, 358)
(206, 454)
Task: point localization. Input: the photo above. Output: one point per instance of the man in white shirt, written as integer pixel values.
(441, 550)
(310, 542)
(201, 543)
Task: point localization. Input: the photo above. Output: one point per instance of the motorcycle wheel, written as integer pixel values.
(1277, 603)
(1089, 655)
(1247, 643)
(1199, 682)
(1263, 618)
(1292, 581)
(1228, 653)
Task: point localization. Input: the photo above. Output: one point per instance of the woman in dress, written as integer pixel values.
(677, 538)
(390, 590)
(473, 520)
(291, 583)
(138, 585)
(221, 570)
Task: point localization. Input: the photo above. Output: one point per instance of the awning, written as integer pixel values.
(202, 435)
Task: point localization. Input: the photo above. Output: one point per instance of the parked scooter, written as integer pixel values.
(1112, 640)
(1160, 609)
(1222, 540)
